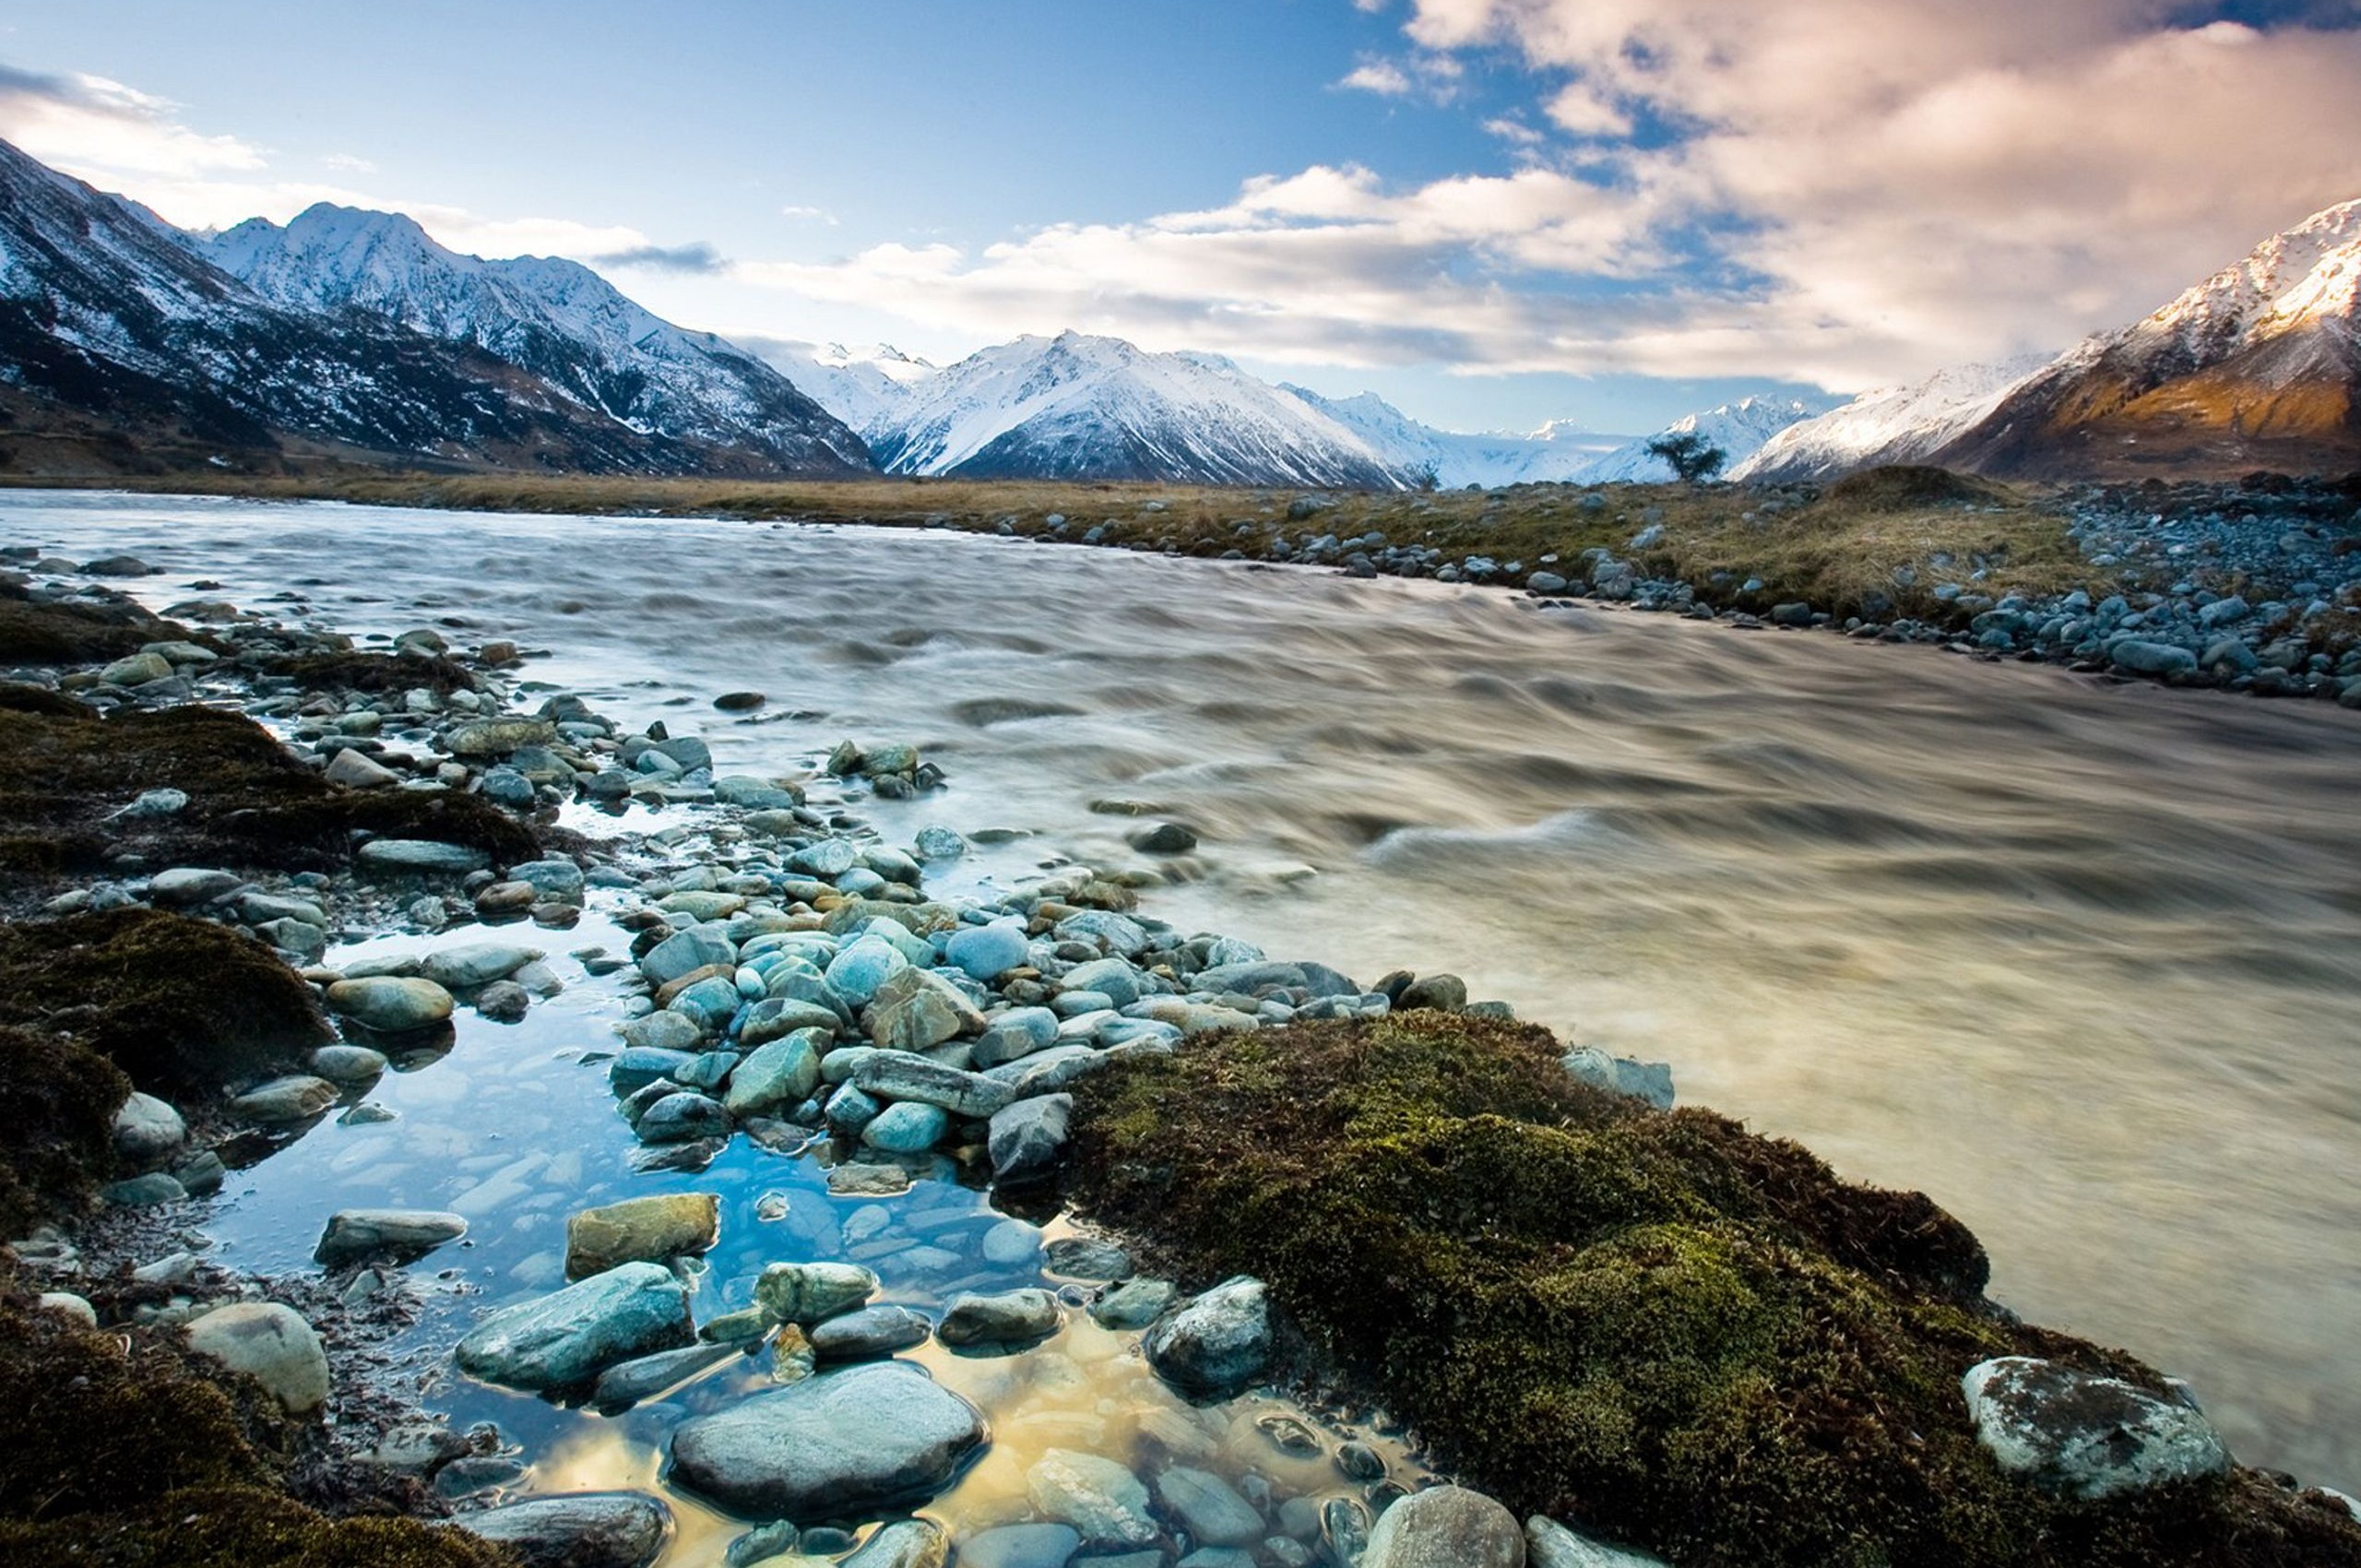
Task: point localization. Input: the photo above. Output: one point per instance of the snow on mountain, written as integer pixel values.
(1891, 425)
(555, 318)
(1077, 407)
(2258, 365)
(866, 387)
(1740, 429)
(1558, 450)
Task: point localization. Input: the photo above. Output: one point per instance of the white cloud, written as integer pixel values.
(348, 163)
(814, 214)
(109, 126)
(1382, 76)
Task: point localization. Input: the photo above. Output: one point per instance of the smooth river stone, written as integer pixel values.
(841, 1446)
(400, 1234)
(389, 1004)
(590, 1529)
(647, 1229)
(1446, 1527)
(569, 1337)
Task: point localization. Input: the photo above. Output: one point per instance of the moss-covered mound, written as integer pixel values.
(374, 672)
(1681, 1335)
(58, 1101)
(76, 633)
(182, 1006)
(250, 803)
(121, 1449)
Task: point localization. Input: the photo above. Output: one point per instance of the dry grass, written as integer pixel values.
(1837, 547)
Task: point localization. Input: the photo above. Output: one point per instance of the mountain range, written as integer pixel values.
(354, 334)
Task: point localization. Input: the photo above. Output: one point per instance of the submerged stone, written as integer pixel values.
(843, 1446)
(569, 1337)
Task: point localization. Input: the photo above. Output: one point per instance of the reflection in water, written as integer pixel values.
(2077, 960)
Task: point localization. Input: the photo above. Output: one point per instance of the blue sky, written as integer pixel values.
(1493, 212)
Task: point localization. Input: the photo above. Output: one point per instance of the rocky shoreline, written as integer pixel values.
(793, 983)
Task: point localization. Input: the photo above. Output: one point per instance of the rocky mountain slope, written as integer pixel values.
(111, 317)
(1892, 425)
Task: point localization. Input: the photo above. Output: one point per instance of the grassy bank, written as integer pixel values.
(1696, 1339)
(1837, 547)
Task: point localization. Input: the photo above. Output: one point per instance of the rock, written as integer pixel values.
(582, 1529)
(914, 1010)
(647, 1229)
(683, 1118)
(349, 1063)
(871, 1332)
(1134, 1303)
(295, 1098)
(1208, 1507)
(67, 1304)
(1218, 1343)
(271, 1344)
(147, 1129)
(906, 1127)
(357, 770)
(1010, 1317)
(397, 1234)
(808, 1293)
(2152, 658)
(2080, 1435)
(1100, 1499)
(185, 887)
(1020, 1546)
(118, 566)
(420, 856)
(1446, 1527)
(645, 1377)
(1649, 1081)
(154, 802)
(1086, 1257)
(987, 951)
(498, 737)
(661, 1031)
(684, 953)
(570, 1336)
(137, 670)
(1164, 838)
(560, 880)
(1443, 993)
(475, 964)
(912, 1543)
(740, 701)
(640, 1065)
(779, 1073)
(844, 1445)
(902, 1074)
(1548, 1544)
(1028, 1137)
(503, 1002)
(144, 1192)
(390, 1004)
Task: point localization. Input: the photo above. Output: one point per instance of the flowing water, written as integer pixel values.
(2080, 961)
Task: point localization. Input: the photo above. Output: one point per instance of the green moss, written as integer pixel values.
(250, 803)
(1693, 1338)
(180, 1005)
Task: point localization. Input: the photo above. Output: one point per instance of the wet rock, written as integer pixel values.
(349, 1063)
(1028, 1137)
(559, 879)
(498, 737)
(809, 1293)
(269, 1343)
(1098, 1499)
(778, 1073)
(590, 1529)
(185, 887)
(683, 954)
(646, 1229)
(295, 1098)
(645, 1377)
(144, 1192)
(640, 1065)
(1649, 1081)
(1164, 838)
(662, 1031)
(475, 964)
(901, 1075)
(682, 1118)
(1136, 1303)
(570, 1336)
(1446, 1527)
(147, 1128)
(390, 1004)
(420, 856)
(906, 1127)
(396, 1234)
(1444, 993)
(871, 1332)
(2152, 658)
(137, 670)
(1086, 1257)
(2081, 1435)
(987, 951)
(1208, 1507)
(503, 1002)
(1020, 1546)
(1012, 1317)
(843, 1446)
(357, 770)
(912, 1543)
(1548, 1544)
(914, 1010)
(1219, 1342)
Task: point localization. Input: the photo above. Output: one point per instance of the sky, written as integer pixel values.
(1493, 212)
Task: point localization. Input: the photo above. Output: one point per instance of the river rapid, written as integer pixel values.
(2080, 961)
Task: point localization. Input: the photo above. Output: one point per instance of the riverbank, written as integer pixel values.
(2253, 587)
(681, 903)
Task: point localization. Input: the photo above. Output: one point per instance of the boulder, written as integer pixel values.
(390, 1004)
(684, 953)
(914, 1010)
(902, 1074)
(420, 856)
(1217, 1343)
(987, 951)
(871, 1332)
(357, 770)
(570, 1336)
(295, 1098)
(644, 1377)
(271, 1344)
(582, 1529)
(647, 1229)
(2081, 1435)
(396, 1234)
(1028, 1139)
(498, 737)
(1010, 1317)
(1446, 1527)
(843, 1446)
(778, 1073)
(475, 964)
(147, 1128)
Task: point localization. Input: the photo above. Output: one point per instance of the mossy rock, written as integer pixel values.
(250, 803)
(57, 1100)
(76, 632)
(180, 1005)
(378, 673)
(1684, 1335)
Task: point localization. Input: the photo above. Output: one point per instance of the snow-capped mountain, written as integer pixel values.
(2256, 366)
(1558, 450)
(1740, 429)
(866, 387)
(1891, 425)
(1076, 407)
(554, 318)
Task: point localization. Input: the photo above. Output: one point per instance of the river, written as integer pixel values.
(2079, 960)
